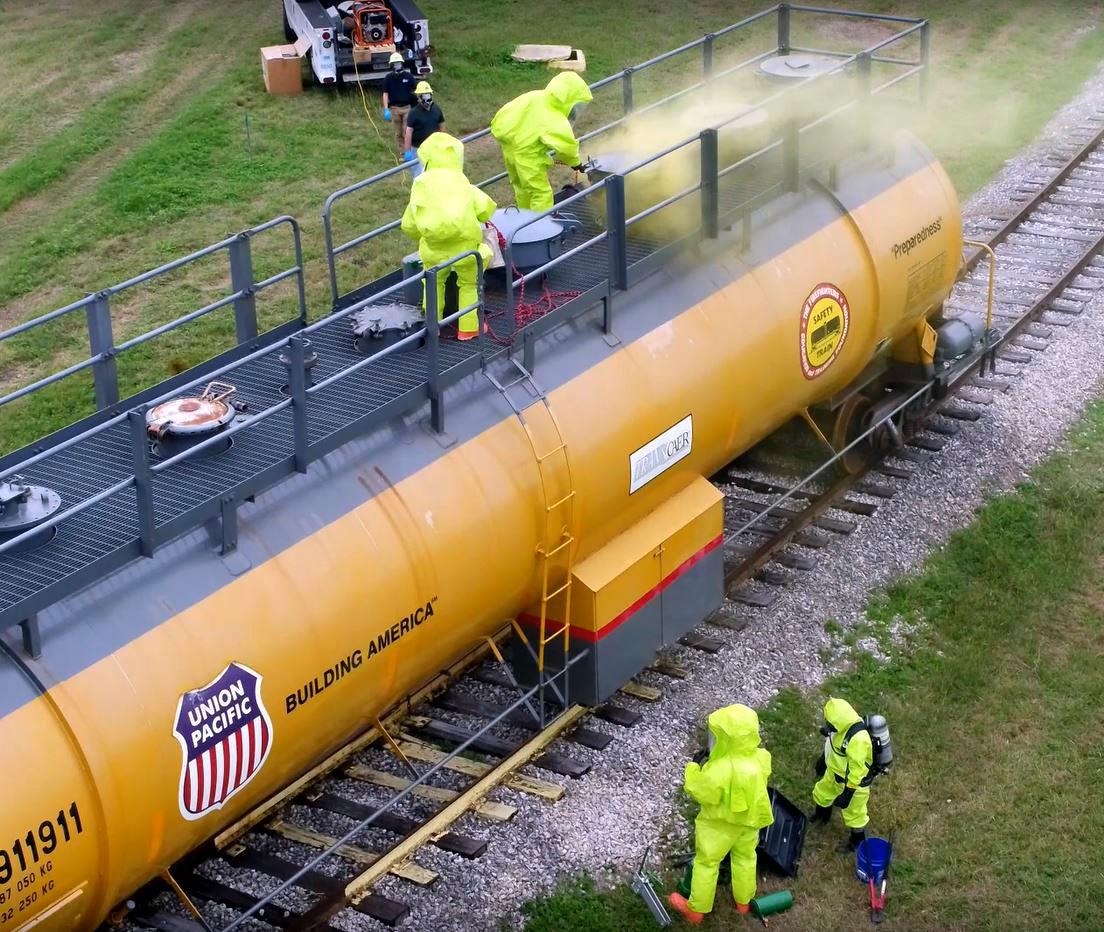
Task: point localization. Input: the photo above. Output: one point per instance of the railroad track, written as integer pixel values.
(1049, 265)
(779, 524)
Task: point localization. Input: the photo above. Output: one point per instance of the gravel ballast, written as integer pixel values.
(628, 801)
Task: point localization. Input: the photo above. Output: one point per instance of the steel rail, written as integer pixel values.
(748, 566)
(1018, 218)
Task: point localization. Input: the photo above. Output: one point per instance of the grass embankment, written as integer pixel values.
(994, 703)
(113, 162)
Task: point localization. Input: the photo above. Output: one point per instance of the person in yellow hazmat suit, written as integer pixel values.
(846, 771)
(445, 215)
(531, 126)
(731, 788)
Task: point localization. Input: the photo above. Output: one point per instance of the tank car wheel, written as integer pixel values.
(851, 421)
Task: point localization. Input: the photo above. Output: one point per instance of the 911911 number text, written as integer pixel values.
(25, 852)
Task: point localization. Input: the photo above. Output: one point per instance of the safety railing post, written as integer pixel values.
(710, 185)
(433, 339)
(101, 341)
(241, 279)
(143, 481)
(297, 386)
(627, 91)
(791, 138)
(863, 65)
(480, 307)
(707, 57)
(331, 259)
(616, 233)
(783, 29)
(925, 60)
(300, 276)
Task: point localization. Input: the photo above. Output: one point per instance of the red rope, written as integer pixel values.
(527, 312)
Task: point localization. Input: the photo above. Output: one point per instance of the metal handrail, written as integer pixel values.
(625, 75)
(46, 318)
(666, 202)
(107, 354)
(234, 429)
(852, 14)
(305, 452)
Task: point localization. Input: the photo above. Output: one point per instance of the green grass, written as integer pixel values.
(993, 700)
(115, 162)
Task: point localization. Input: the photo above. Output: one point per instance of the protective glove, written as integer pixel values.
(408, 155)
(701, 757)
(827, 730)
(578, 168)
(387, 114)
(844, 798)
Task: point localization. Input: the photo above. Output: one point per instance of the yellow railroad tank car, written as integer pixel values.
(394, 555)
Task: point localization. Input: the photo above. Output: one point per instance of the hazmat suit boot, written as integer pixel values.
(679, 904)
(822, 816)
(853, 841)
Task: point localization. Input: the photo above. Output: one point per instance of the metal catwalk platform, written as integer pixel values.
(118, 503)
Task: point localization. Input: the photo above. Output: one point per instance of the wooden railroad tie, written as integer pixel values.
(495, 812)
(416, 749)
(359, 887)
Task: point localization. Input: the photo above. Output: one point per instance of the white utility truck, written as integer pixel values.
(353, 40)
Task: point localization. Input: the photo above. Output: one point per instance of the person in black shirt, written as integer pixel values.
(398, 96)
(422, 122)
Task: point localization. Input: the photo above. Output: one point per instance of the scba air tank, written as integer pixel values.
(883, 744)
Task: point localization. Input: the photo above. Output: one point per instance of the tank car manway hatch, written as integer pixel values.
(325, 422)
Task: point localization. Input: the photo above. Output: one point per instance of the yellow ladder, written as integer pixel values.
(556, 551)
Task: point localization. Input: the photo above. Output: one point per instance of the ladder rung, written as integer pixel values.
(558, 633)
(551, 453)
(563, 588)
(567, 542)
(563, 501)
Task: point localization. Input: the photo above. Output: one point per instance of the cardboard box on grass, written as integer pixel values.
(282, 69)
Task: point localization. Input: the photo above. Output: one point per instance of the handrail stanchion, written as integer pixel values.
(925, 60)
(707, 57)
(480, 307)
(783, 29)
(143, 481)
(297, 385)
(433, 336)
(240, 252)
(791, 139)
(627, 91)
(301, 275)
(101, 341)
(864, 130)
(615, 229)
(710, 185)
(508, 272)
(331, 256)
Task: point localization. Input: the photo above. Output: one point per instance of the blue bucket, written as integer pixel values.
(871, 859)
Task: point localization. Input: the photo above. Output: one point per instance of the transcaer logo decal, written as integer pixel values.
(225, 734)
(661, 454)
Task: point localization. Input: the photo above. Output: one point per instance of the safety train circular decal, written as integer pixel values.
(825, 320)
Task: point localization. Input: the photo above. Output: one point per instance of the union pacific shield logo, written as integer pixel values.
(225, 734)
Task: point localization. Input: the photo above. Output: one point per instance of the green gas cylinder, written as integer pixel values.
(771, 903)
